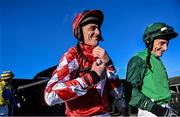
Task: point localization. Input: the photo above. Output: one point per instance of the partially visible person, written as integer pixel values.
(5, 92)
(120, 105)
(148, 76)
(85, 76)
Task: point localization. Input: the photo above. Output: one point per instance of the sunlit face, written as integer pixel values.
(90, 33)
(159, 47)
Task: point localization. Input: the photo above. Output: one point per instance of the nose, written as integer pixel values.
(165, 47)
(97, 31)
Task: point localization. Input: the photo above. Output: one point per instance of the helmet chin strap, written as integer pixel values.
(149, 44)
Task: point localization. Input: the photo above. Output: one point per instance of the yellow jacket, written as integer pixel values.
(2, 88)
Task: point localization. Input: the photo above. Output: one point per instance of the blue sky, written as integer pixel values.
(34, 34)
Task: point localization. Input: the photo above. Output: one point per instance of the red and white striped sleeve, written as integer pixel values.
(114, 80)
(63, 85)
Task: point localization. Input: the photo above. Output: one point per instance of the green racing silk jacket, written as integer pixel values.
(149, 86)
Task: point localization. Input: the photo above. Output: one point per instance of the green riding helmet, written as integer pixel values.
(158, 30)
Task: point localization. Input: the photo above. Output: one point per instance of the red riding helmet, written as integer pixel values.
(87, 16)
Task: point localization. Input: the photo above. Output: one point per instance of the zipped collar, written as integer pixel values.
(87, 51)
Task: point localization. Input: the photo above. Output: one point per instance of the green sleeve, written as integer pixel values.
(135, 72)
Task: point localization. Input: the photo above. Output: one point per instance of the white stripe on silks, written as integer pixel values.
(65, 79)
(83, 84)
(59, 86)
(62, 63)
(73, 65)
(78, 90)
(54, 78)
(52, 98)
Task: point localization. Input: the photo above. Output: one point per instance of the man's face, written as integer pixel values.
(160, 46)
(90, 33)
